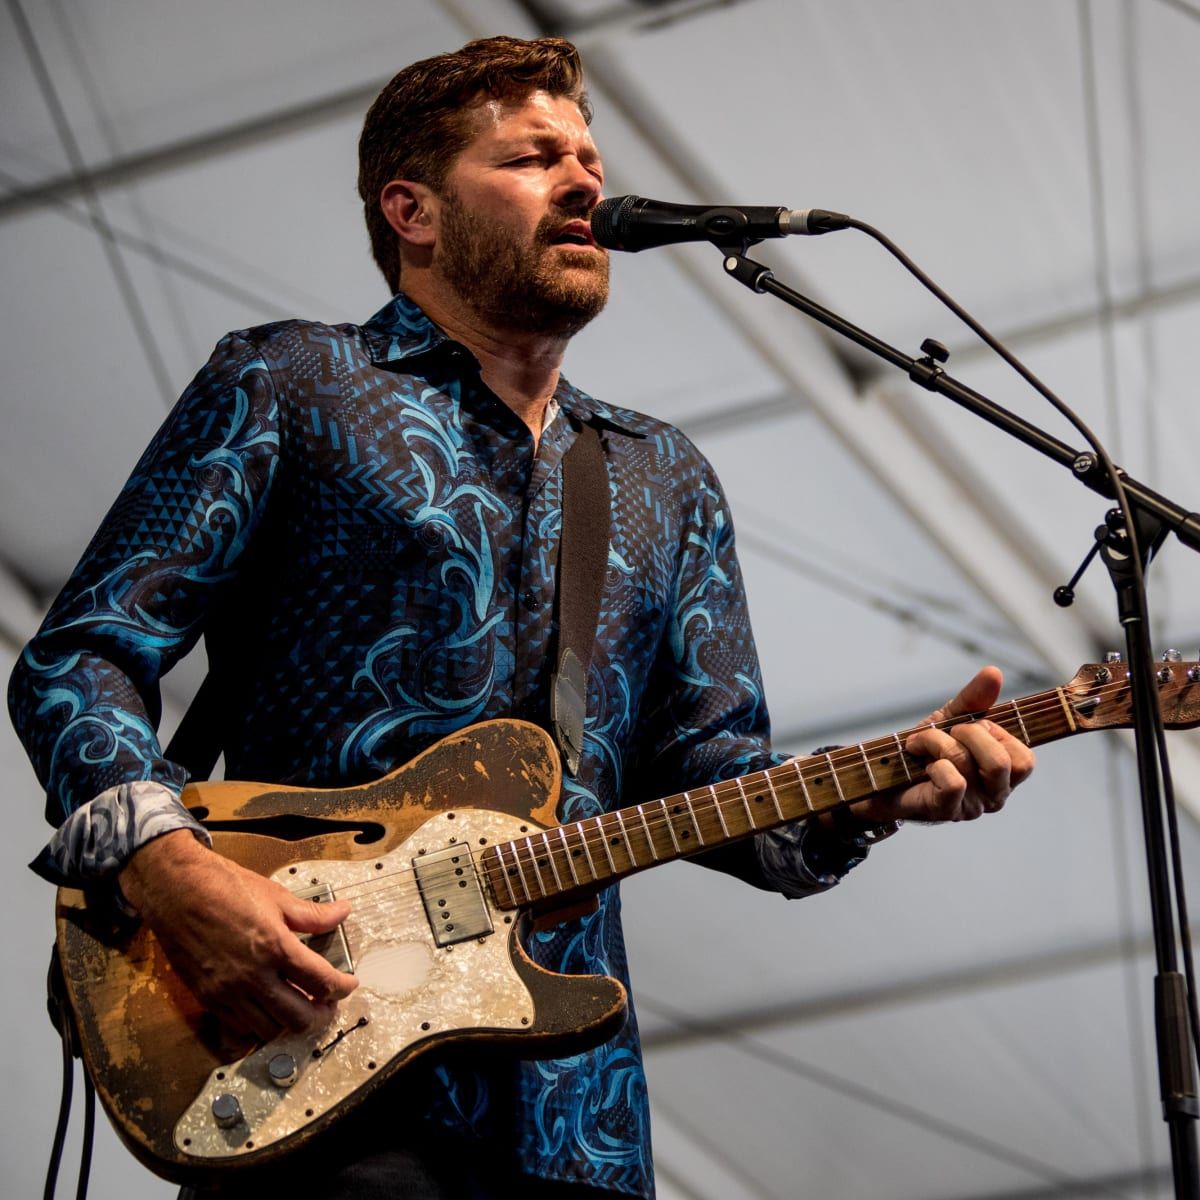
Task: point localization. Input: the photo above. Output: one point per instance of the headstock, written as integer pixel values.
(1099, 695)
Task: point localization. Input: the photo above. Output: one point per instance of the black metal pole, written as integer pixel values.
(1177, 1080)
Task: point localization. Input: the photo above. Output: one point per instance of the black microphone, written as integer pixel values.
(632, 223)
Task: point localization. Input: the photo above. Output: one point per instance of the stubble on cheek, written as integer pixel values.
(534, 286)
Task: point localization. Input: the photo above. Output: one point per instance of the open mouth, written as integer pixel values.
(577, 233)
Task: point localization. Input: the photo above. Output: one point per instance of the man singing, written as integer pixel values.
(364, 522)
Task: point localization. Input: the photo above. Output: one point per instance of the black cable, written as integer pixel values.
(89, 1137)
(64, 1117)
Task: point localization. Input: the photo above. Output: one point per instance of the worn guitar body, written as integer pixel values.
(165, 1070)
(441, 862)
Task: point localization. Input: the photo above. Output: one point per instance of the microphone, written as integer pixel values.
(632, 223)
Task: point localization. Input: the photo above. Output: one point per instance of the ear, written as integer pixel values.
(410, 209)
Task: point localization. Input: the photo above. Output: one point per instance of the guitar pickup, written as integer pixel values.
(453, 899)
(331, 946)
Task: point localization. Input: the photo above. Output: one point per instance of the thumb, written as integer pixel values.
(979, 694)
(309, 916)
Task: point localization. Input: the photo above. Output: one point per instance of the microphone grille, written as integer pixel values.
(608, 220)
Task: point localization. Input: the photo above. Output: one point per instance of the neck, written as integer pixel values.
(520, 366)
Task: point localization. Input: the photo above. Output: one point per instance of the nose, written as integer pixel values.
(578, 187)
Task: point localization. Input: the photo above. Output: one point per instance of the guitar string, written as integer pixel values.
(1018, 717)
(533, 857)
(717, 796)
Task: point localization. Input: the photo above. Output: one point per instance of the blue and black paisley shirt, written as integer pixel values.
(368, 538)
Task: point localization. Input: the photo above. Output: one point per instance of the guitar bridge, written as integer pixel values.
(331, 946)
(453, 899)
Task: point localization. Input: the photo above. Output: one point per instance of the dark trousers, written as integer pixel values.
(394, 1174)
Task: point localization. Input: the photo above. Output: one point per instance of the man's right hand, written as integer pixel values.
(231, 936)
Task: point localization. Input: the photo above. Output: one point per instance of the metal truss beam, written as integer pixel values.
(953, 509)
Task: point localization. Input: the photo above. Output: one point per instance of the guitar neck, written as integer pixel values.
(588, 855)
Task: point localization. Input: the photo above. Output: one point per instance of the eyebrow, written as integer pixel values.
(587, 152)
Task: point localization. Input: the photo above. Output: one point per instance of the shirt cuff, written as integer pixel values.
(801, 859)
(97, 840)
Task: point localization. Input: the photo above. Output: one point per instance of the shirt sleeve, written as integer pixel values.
(705, 718)
(84, 695)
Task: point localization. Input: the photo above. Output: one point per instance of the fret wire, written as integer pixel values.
(633, 862)
(774, 798)
(903, 756)
(520, 872)
(570, 857)
(1021, 722)
(533, 859)
(612, 866)
(586, 851)
(867, 763)
(670, 826)
(645, 825)
(795, 765)
(837, 783)
(717, 805)
(550, 856)
(746, 803)
(504, 875)
(687, 799)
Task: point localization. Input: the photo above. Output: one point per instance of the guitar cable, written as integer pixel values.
(61, 1019)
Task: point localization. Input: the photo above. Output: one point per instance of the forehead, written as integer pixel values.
(539, 116)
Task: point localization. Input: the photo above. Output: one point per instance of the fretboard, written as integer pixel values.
(585, 856)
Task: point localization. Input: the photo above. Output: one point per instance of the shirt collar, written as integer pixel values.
(400, 331)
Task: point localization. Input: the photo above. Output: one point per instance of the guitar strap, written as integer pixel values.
(582, 559)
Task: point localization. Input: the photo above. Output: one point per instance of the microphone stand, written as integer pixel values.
(1155, 516)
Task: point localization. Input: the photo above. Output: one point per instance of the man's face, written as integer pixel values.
(514, 239)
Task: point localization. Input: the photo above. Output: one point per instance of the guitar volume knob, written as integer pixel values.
(226, 1110)
(282, 1070)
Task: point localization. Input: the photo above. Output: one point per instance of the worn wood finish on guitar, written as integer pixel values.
(151, 1049)
(465, 846)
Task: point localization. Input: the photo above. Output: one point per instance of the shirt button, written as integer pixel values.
(529, 597)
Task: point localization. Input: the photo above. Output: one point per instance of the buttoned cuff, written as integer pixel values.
(97, 840)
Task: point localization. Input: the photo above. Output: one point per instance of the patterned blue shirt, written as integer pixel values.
(367, 537)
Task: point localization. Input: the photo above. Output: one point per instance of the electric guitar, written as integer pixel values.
(444, 861)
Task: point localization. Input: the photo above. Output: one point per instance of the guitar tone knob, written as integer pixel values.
(226, 1110)
(282, 1070)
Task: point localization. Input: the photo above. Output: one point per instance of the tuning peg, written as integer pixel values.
(1172, 656)
(1112, 656)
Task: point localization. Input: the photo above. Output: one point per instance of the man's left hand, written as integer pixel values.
(969, 770)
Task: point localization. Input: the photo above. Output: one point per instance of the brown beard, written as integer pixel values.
(517, 287)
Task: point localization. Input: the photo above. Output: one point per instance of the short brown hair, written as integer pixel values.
(420, 122)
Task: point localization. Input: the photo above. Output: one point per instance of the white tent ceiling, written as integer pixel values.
(969, 1015)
